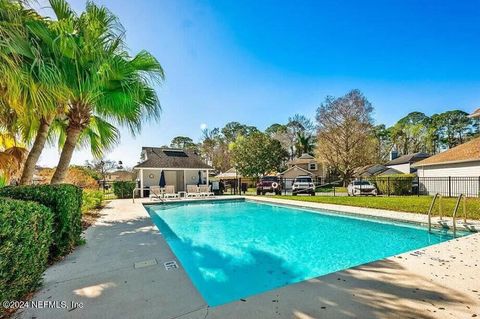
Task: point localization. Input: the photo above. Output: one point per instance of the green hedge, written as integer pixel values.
(395, 184)
(65, 201)
(25, 239)
(123, 189)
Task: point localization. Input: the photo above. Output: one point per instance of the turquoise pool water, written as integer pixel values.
(236, 249)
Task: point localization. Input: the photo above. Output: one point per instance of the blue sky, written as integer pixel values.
(259, 62)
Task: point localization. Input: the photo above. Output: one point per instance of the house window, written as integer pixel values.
(312, 166)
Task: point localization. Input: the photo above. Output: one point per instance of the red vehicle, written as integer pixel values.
(269, 184)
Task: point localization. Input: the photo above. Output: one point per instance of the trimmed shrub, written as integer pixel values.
(123, 189)
(25, 239)
(92, 199)
(65, 202)
(395, 184)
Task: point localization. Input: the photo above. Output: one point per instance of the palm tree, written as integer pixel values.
(30, 86)
(305, 143)
(106, 86)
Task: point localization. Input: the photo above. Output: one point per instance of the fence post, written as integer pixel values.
(449, 186)
(388, 185)
(418, 186)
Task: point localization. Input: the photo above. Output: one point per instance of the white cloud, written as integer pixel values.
(203, 126)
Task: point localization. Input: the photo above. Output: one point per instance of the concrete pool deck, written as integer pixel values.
(120, 273)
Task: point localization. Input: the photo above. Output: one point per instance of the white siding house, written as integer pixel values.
(454, 171)
(405, 163)
(470, 168)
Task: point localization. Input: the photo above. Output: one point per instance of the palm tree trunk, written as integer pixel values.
(73, 134)
(36, 151)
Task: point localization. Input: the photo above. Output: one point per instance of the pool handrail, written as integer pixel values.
(437, 195)
(455, 212)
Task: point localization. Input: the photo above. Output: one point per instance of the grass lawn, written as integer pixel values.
(330, 190)
(411, 204)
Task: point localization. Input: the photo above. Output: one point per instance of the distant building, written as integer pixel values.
(181, 167)
(404, 163)
(304, 165)
(375, 170)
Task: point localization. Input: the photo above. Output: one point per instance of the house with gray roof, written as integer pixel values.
(375, 170)
(405, 163)
(181, 167)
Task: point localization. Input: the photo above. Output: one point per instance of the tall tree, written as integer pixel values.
(106, 86)
(455, 127)
(232, 130)
(257, 154)
(30, 82)
(183, 142)
(383, 144)
(297, 124)
(345, 133)
(305, 143)
(410, 133)
(280, 133)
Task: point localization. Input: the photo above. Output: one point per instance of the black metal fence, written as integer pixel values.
(449, 186)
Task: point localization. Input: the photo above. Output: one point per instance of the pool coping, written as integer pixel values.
(374, 213)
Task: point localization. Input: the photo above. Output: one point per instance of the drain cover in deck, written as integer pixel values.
(145, 263)
(170, 265)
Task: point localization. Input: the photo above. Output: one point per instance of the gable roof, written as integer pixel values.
(408, 158)
(374, 170)
(466, 152)
(296, 167)
(304, 159)
(164, 157)
(391, 171)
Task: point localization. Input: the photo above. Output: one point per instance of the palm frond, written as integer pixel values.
(62, 9)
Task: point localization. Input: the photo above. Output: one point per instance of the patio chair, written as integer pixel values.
(192, 191)
(170, 192)
(205, 190)
(156, 192)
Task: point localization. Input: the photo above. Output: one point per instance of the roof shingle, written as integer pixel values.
(162, 157)
(466, 152)
(408, 158)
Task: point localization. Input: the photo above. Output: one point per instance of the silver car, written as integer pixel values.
(361, 188)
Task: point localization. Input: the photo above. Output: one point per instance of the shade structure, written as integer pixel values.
(162, 182)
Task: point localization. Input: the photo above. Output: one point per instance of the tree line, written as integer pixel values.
(343, 134)
(68, 81)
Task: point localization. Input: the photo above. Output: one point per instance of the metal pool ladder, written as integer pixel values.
(455, 212)
(437, 195)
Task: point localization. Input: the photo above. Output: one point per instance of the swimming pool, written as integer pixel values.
(235, 249)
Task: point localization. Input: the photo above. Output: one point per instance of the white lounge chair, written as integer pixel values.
(192, 191)
(170, 192)
(156, 192)
(205, 190)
